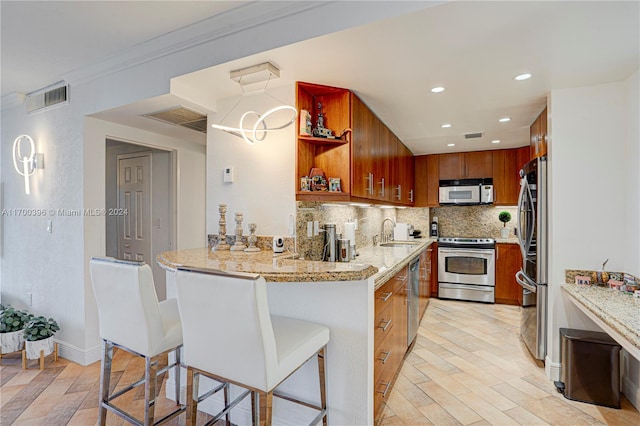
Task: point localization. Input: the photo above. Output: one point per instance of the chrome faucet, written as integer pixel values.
(384, 238)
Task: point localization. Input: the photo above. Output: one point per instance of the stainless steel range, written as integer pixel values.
(466, 269)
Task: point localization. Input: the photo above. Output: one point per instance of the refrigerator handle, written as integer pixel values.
(521, 242)
(522, 279)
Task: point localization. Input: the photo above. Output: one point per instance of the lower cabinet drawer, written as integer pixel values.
(382, 386)
(383, 324)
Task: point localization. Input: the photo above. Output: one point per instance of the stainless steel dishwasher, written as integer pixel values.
(413, 320)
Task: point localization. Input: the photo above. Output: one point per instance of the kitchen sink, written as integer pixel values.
(407, 244)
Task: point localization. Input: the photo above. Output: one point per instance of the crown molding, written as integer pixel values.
(12, 100)
(230, 22)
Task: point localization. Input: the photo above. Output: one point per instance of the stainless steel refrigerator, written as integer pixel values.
(532, 237)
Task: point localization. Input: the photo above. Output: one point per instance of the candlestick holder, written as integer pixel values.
(252, 239)
(222, 229)
(239, 245)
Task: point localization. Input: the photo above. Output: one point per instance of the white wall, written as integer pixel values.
(55, 266)
(594, 198)
(264, 173)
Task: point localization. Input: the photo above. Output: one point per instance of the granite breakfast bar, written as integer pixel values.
(337, 295)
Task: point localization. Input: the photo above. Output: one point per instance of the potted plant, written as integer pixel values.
(12, 322)
(504, 217)
(38, 336)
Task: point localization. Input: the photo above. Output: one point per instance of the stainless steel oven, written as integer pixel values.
(466, 269)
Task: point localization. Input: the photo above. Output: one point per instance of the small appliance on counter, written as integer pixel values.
(278, 244)
(403, 232)
(434, 227)
(329, 252)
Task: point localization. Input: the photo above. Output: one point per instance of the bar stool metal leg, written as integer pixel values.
(322, 374)
(192, 397)
(151, 369)
(105, 380)
(177, 377)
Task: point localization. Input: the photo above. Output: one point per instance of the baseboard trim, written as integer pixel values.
(631, 391)
(552, 369)
(78, 355)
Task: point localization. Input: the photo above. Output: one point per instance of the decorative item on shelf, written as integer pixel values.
(248, 78)
(318, 180)
(252, 239)
(305, 183)
(38, 336)
(12, 323)
(504, 217)
(320, 131)
(222, 229)
(334, 185)
(238, 245)
(583, 280)
(615, 284)
(600, 277)
(305, 123)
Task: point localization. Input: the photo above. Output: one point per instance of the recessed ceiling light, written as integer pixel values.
(525, 76)
(445, 125)
(496, 141)
(504, 119)
(451, 144)
(438, 89)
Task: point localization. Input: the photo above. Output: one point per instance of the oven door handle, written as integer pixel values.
(461, 251)
(484, 288)
(525, 282)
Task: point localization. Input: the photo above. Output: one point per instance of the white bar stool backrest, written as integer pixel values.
(226, 327)
(127, 305)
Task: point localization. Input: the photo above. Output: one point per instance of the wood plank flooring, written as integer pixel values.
(468, 367)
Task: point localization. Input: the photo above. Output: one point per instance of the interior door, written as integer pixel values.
(134, 200)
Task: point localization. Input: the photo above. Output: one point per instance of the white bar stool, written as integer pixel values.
(230, 336)
(132, 319)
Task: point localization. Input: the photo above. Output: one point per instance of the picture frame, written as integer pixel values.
(334, 185)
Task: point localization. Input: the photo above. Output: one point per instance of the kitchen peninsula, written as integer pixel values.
(337, 295)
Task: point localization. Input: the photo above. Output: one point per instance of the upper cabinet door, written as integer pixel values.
(466, 165)
(451, 166)
(365, 147)
(478, 164)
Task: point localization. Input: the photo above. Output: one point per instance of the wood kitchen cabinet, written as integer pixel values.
(427, 180)
(434, 270)
(538, 135)
(424, 291)
(466, 165)
(333, 156)
(372, 163)
(390, 336)
(508, 263)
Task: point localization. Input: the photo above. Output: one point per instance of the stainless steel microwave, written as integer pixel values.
(466, 192)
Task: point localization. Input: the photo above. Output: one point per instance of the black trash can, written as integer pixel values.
(590, 363)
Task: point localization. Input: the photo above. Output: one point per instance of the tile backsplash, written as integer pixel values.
(473, 221)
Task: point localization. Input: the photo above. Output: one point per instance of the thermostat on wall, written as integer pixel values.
(228, 174)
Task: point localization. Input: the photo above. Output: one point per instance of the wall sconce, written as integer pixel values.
(25, 165)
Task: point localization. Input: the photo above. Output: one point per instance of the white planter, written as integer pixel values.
(11, 342)
(504, 232)
(33, 348)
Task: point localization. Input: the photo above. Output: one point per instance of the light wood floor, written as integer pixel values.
(468, 366)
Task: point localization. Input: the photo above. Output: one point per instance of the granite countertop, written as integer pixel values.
(380, 262)
(510, 240)
(617, 309)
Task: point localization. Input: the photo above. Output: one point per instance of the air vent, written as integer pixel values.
(473, 135)
(181, 116)
(57, 94)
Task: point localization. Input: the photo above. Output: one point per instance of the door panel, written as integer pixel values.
(134, 197)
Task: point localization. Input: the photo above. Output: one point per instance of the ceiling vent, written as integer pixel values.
(54, 95)
(473, 135)
(181, 116)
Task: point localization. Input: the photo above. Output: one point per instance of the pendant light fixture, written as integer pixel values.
(248, 78)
